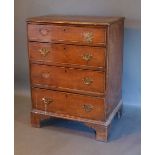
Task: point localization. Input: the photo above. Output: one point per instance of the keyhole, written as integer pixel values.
(65, 70)
(64, 30)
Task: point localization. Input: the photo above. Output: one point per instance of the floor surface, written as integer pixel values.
(60, 137)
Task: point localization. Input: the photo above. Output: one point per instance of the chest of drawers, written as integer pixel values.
(76, 69)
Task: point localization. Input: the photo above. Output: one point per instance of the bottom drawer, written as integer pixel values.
(68, 104)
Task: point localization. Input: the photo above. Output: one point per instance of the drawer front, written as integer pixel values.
(67, 54)
(69, 104)
(72, 34)
(62, 77)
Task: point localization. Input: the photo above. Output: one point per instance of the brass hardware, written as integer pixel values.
(44, 51)
(45, 75)
(43, 31)
(47, 100)
(87, 80)
(87, 56)
(88, 107)
(88, 37)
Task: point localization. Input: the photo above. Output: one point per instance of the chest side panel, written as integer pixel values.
(114, 65)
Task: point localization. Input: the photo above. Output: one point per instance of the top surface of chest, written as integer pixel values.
(79, 20)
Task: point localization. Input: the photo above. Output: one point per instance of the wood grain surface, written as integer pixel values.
(69, 104)
(62, 54)
(66, 34)
(63, 77)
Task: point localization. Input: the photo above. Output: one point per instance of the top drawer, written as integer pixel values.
(70, 34)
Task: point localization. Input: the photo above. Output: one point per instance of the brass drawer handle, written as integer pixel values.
(43, 31)
(87, 80)
(45, 75)
(87, 56)
(88, 37)
(44, 51)
(47, 100)
(88, 107)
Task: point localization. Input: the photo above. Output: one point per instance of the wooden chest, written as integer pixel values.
(76, 69)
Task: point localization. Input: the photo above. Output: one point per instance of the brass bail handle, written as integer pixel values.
(88, 107)
(87, 80)
(44, 51)
(88, 37)
(47, 100)
(87, 56)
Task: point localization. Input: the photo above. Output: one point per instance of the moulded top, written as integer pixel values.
(80, 20)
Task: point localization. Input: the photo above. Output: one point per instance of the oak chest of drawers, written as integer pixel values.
(76, 69)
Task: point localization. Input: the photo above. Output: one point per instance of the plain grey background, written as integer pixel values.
(130, 9)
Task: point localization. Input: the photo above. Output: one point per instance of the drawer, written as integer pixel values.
(67, 54)
(70, 34)
(68, 78)
(68, 104)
